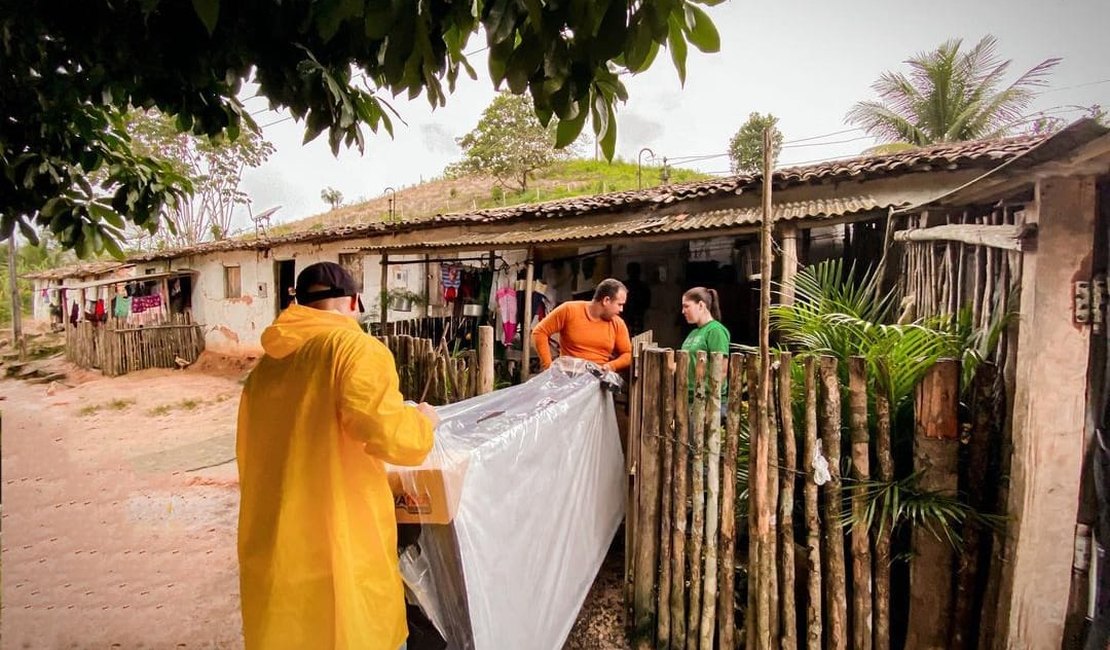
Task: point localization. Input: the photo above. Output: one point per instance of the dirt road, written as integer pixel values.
(109, 540)
(120, 500)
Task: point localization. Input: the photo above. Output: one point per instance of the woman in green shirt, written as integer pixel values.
(700, 307)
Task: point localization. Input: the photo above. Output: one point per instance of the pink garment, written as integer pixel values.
(506, 304)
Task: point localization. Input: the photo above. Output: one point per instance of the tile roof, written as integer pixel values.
(975, 154)
(77, 270)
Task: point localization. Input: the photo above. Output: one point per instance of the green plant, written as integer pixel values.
(120, 404)
(159, 411)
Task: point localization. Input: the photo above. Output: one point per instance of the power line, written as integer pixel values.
(1082, 85)
(821, 144)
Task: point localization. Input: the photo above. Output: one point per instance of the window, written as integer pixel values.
(233, 284)
(352, 263)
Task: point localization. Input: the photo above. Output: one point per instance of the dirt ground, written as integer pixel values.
(119, 502)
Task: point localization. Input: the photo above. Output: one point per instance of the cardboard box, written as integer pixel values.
(428, 493)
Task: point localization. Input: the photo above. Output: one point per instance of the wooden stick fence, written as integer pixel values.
(116, 348)
(688, 569)
(429, 372)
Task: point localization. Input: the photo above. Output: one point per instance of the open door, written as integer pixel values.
(285, 278)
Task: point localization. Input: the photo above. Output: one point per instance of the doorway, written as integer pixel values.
(285, 278)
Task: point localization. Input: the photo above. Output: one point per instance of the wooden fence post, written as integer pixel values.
(883, 536)
(861, 539)
(667, 391)
(726, 581)
(713, 497)
(485, 359)
(678, 501)
(935, 453)
(813, 525)
(978, 462)
(697, 492)
(786, 504)
(647, 525)
(834, 532)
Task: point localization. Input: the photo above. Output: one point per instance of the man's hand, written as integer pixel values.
(428, 411)
(607, 367)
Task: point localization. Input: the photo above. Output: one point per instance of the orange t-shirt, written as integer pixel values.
(584, 337)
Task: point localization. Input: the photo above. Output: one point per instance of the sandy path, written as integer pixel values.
(117, 534)
(108, 540)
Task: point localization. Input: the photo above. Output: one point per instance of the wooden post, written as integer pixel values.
(861, 540)
(834, 533)
(17, 307)
(786, 504)
(717, 370)
(485, 359)
(697, 493)
(883, 536)
(935, 451)
(813, 525)
(760, 440)
(789, 263)
(526, 331)
(632, 459)
(383, 293)
(678, 500)
(647, 525)
(726, 581)
(964, 624)
(667, 390)
(753, 612)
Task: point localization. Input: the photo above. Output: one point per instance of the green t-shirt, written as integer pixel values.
(711, 337)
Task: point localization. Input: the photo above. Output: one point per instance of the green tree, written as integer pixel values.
(745, 149)
(72, 71)
(214, 167)
(29, 258)
(949, 95)
(509, 143)
(332, 197)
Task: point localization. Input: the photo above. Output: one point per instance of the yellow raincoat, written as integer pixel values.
(317, 534)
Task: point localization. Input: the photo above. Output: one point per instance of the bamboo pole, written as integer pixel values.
(786, 505)
(726, 581)
(883, 536)
(813, 525)
(647, 538)
(712, 502)
(678, 500)
(861, 541)
(697, 492)
(485, 359)
(834, 534)
(667, 389)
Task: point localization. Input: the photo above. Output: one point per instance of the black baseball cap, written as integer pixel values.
(335, 279)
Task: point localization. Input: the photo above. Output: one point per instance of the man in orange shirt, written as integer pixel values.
(590, 330)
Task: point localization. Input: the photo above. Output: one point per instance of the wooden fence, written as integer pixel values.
(703, 574)
(115, 348)
(430, 373)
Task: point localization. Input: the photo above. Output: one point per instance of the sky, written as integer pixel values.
(806, 62)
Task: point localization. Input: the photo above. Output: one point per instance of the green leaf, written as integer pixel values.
(28, 232)
(567, 130)
(676, 43)
(701, 31)
(609, 138)
(208, 11)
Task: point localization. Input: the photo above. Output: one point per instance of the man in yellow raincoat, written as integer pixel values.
(319, 416)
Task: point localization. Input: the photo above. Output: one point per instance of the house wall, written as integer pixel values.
(234, 325)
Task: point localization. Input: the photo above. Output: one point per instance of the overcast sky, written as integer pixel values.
(806, 62)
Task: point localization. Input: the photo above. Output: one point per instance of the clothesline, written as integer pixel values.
(440, 260)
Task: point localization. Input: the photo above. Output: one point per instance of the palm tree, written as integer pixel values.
(949, 95)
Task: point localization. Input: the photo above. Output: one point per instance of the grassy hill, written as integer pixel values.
(441, 196)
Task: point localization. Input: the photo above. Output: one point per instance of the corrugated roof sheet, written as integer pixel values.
(976, 154)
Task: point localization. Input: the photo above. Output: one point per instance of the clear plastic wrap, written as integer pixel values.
(517, 505)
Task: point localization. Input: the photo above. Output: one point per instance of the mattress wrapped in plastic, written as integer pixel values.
(517, 506)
